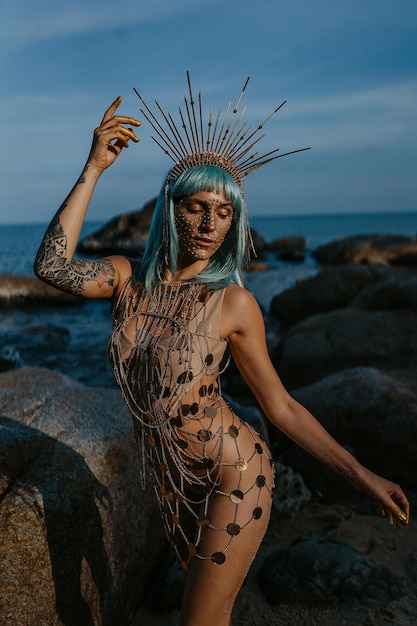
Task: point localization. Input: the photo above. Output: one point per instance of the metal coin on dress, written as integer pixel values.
(260, 480)
(210, 411)
(204, 327)
(233, 431)
(236, 496)
(241, 464)
(233, 529)
(204, 435)
(257, 512)
(218, 558)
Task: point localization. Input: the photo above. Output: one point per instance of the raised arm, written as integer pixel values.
(55, 263)
(245, 329)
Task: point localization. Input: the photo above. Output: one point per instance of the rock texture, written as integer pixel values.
(370, 249)
(79, 539)
(25, 290)
(125, 234)
(323, 344)
(371, 412)
(317, 570)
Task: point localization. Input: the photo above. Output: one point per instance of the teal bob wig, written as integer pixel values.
(162, 246)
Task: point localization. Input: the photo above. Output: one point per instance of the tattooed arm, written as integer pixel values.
(55, 263)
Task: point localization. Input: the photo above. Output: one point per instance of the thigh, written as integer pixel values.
(238, 515)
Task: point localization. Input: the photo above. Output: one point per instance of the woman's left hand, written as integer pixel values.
(391, 501)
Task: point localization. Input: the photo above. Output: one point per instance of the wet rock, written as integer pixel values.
(317, 570)
(18, 290)
(79, 538)
(370, 412)
(345, 338)
(369, 249)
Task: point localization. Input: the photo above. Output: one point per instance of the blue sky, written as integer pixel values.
(348, 70)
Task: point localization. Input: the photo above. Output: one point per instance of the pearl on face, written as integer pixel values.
(202, 221)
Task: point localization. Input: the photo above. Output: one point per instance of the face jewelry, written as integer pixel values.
(202, 225)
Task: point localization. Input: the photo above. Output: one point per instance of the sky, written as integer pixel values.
(348, 71)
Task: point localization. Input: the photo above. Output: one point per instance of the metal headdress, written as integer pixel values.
(229, 143)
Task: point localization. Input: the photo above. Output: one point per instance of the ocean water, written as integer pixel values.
(73, 339)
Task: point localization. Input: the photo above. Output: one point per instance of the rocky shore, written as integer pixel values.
(82, 544)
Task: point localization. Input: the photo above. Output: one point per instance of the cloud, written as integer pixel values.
(25, 21)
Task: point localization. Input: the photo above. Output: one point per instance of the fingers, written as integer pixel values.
(111, 110)
(394, 514)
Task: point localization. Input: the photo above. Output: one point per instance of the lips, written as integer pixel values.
(204, 241)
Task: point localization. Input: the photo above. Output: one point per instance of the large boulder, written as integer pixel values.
(289, 248)
(359, 286)
(125, 234)
(79, 538)
(316, 570)
(323, 344)
(369, 249)
(372, 413)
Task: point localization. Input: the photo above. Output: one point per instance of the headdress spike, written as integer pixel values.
(228, 143)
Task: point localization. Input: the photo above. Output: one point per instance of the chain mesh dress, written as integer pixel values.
(212, 473)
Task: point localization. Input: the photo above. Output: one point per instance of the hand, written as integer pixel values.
(111, 137)
(390, 498)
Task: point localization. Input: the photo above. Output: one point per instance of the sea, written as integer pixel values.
(73, 339)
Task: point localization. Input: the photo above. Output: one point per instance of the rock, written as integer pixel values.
(291, 248)
(317, 570)
(125, 234)
(372, 413)
(18, 290)
(359, 286)
(79, 538)
(290, 493)
(370, 249)
(323, 344)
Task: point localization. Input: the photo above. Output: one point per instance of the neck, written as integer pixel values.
(185, 272)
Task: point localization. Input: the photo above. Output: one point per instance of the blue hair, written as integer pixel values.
(225, 265)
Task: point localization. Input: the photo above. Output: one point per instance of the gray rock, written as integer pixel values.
(370, 249)
(359, 286)
(373, 413)
(79, 538)
(290, 248)
(317, 570)
(290, 493)
(323, 344)
(125, 234)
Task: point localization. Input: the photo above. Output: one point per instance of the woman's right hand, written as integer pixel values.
(111, 137)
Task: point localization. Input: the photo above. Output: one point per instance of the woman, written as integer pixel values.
(174, 313)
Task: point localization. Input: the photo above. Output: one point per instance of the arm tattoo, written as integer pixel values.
(82, 175)
(351, 478)
(52, 266)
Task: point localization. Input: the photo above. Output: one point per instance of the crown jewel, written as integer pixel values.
(227, 141)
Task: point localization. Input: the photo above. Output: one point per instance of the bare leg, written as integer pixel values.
(211, 589)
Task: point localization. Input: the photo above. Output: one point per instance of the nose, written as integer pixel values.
(208, 223)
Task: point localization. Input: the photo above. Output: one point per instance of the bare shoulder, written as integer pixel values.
(240, 311)
(124, 268)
